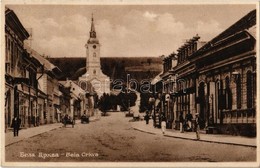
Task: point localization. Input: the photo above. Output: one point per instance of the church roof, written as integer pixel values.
(92, 34)
(92, 24)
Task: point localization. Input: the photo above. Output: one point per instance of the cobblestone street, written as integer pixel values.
(112, 138)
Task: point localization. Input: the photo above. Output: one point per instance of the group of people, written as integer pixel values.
(185, 124)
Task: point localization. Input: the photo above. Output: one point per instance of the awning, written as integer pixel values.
(156, 79)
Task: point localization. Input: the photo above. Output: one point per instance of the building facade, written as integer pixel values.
(185, 73)
(20, 74)
(217, 79)
(226, 79)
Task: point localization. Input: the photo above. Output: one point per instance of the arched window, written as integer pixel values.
(218, 98)
(94, 54)
(238, 90)
(228, 94)
(249, 95)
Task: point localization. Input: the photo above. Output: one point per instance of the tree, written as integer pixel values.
(144, 102)
(127, 100)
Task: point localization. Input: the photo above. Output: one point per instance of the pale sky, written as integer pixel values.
(124, 30)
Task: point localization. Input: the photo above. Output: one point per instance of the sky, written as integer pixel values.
(124, 30)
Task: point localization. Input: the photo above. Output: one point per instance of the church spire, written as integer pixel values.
(92, 30)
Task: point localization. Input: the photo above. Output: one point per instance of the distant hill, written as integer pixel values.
(115, 67)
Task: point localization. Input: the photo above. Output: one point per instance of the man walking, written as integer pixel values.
(188, 121)
(197, 126)
(147, 117)
(163, 124)
(181, 120)
(16, 122)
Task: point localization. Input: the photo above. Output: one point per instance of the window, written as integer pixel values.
(7, 68)
(94, 54)
(218, 95)
(249, 89)
(238, 89)
(6, 49)
(12, 54)
(228, 94)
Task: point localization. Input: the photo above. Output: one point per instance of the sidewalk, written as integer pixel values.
(29, 132)
(33, 131)
(212, 138)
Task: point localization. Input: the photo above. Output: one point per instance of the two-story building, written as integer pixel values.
(20, 74)
(48, 89)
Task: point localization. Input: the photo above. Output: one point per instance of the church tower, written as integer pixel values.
(93, 52)
(94, 74)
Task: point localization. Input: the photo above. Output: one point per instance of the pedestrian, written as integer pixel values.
(147, 117)
(163, 124)
(197, 126)
(16, 122)
(181, 120)
(188, 119)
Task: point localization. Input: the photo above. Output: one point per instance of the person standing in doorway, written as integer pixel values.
(181, 119)
(197, 126)
(16, 122)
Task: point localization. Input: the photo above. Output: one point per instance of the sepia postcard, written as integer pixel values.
(124, 83)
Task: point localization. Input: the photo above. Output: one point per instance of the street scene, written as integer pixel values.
(130, 83)
(113, 138)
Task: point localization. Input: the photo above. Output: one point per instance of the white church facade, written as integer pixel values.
(94, 75)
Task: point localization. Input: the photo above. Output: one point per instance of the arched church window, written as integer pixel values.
(94, 71)
(94, 54)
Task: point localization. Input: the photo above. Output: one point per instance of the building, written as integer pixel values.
(94, 74)
(20, 74)
(226, 79)
(168, 88)
(185, 74)
(217, 79)
(48, 89)
(78, 100)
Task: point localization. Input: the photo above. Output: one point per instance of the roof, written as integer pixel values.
(244, 24)
(35, 54)
(156, 79)
(75, 89)
(47, 64)
(14, 23)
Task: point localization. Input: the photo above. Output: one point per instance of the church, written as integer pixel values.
(94, 76)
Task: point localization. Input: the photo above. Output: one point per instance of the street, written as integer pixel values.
(113, 139)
